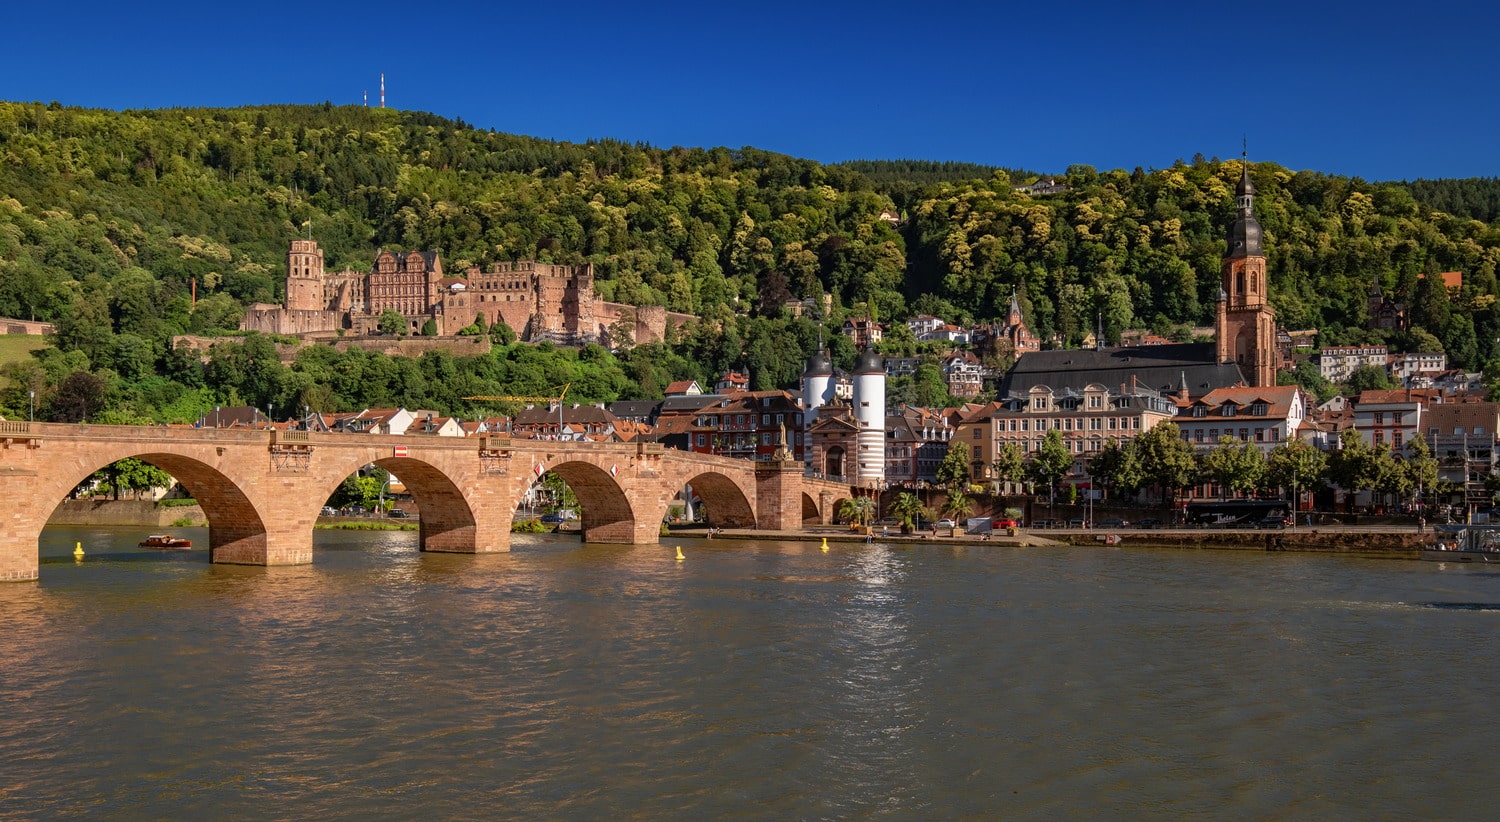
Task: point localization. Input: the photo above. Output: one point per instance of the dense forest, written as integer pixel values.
(111, 221)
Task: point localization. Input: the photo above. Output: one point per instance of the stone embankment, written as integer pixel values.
(126, 512)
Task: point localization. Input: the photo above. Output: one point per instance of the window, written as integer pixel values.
(1024, 424)
(976, 433)
(1380, 418)
(1198, 435)
(702, 440)
(1244, 435)
(765, 419)
(1379, 437)
(978, 452)
(1229, 409)
(1260, 435)
(1257, 409)
(1213, 434)
(1200, 410)
(1396, 417)
(1396, 440)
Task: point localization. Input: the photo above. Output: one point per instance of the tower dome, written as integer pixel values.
(818, 365)
(869, 362)
(1244, 232)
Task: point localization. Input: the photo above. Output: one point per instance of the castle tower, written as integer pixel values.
(304, 277)
(869, 411)
(1246, 322)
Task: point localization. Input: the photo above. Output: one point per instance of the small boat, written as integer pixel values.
(167, 542)
(1464, 543)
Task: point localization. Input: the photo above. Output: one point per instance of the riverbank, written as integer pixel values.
(1355, 540)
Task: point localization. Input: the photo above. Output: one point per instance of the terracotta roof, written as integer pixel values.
(1421, 395)
(1278, 399)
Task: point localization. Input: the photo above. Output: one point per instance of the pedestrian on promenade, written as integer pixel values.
(1421, 525)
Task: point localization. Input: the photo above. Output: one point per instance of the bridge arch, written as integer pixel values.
(236, 531)
(446, 520)
(727, 505)
(606, 513)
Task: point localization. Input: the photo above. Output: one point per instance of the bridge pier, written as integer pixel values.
(778, 495)
(229, 546)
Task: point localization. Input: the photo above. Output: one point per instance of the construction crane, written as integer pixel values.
(562, 392)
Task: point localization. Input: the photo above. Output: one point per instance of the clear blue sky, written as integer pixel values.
(1379, 89)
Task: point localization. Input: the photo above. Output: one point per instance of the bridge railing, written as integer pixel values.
(15, 427)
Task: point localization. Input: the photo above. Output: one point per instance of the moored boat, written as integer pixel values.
(1464, 543)
(167, 542)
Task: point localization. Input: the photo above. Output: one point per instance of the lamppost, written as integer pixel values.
(31, 414)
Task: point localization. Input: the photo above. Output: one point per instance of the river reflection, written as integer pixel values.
(752, 680)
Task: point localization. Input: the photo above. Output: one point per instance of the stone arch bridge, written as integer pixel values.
(262, 490)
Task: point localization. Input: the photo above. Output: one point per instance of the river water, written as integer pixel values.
(754, 680)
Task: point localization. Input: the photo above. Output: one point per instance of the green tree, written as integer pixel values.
(391, 322)
(953, 471)
(907, 508)
(1166, 459)
(957, 507)
(1050, 462)
(1009, 464)
(1296, 466)
(1117, 466)
(1236, 466)
(1352, 465)
(429, 328)
(857, 510)
(1369, 378)
(1421, 466)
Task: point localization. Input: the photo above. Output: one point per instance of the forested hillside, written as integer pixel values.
(107, 219)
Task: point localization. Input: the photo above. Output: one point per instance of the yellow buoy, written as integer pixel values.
(825, 545)
(680, 557)
(78, 551)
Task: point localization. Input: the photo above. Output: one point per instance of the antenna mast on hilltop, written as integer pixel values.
(382, 89)
(366, 94)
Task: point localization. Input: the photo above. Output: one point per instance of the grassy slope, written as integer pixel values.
(15, 347)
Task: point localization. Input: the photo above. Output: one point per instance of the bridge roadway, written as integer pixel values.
(262, 490)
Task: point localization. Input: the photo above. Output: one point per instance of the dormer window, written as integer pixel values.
(1200, 410)
(1258, 409)
(1229, 409)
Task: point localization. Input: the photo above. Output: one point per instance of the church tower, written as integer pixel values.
(1246, 323)
(304, 277)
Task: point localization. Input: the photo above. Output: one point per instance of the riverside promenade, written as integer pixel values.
(1392, 541)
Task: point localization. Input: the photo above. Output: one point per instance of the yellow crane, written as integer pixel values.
(563, 392)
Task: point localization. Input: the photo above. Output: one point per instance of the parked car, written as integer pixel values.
(1005, 522)
(1078, 522)
(1274, 521)
(1147, 522)
(398, 513)
(552, 518)
(946, 523)
(329, 511)
(1113, 522)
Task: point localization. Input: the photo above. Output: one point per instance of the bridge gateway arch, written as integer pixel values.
(262, 490)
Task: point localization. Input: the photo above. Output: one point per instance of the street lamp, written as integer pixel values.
(31, 415)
